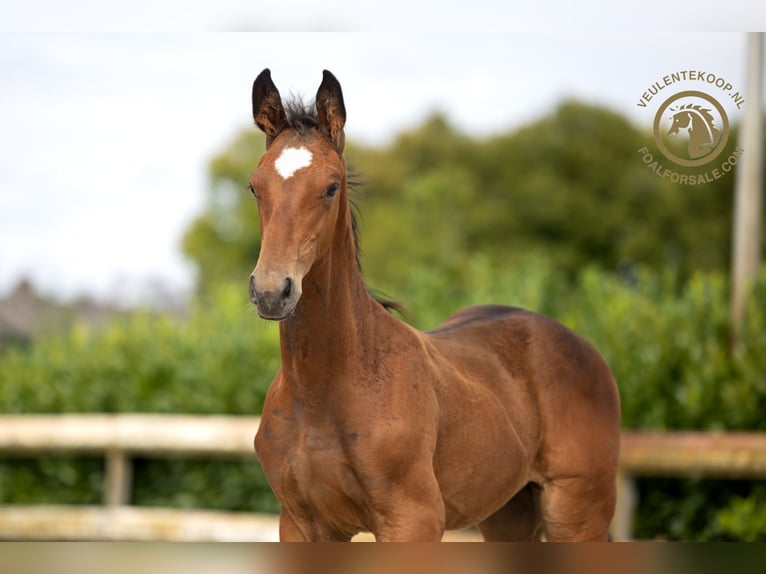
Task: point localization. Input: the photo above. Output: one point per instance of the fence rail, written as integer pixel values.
(718, 455)
(734, 455)
(119, 438)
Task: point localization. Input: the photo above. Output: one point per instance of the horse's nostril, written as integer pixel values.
(287, 288)
(251, 289)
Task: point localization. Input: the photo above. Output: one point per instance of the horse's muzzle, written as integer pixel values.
(274, 298)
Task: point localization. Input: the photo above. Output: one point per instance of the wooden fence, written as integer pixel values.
(718, 455)
(119, 438)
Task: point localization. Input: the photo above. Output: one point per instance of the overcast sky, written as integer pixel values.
(105, 137)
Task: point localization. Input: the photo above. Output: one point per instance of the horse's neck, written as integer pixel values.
(700, 133)
(324, 341)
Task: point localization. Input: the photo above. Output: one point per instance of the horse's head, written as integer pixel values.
(299, 183)
(681, 120)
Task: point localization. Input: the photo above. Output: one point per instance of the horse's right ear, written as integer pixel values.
(268, 113)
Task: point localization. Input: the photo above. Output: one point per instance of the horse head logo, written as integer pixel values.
(703, 135)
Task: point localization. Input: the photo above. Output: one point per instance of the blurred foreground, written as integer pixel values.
(377, 559)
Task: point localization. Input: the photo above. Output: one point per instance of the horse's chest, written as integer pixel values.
(313, 461)
(309, 470)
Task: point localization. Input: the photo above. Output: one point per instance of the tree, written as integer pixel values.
(571, 186)
(225, 239)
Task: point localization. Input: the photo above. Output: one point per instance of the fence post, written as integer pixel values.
(119, 476)
(622, 523)
(746, 244)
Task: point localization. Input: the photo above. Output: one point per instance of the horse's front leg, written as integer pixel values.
(289, 531)
(292, 529)
(415, 522)
(414, 513)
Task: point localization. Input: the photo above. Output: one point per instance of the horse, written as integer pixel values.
(500, 417)
(703, 136)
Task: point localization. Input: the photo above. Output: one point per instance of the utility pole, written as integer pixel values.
(748, 187)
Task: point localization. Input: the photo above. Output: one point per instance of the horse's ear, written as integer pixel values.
(331, 110)
(268, 113)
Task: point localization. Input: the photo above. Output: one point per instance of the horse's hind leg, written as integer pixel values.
(518, 521)
(578, 508)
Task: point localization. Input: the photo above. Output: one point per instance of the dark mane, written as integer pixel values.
(301, 117)
(353, 185)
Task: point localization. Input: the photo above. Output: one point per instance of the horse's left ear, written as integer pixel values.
(332, 111)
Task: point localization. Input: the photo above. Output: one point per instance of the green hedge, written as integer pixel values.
(218, 360)
(221, 359)
(667, 341)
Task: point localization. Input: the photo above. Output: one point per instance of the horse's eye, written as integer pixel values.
(332, 190)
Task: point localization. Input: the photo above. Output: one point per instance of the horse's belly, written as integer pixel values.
(479, 469)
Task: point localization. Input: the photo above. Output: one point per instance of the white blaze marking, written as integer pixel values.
(291, 160)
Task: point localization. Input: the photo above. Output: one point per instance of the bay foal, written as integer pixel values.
(499, 417)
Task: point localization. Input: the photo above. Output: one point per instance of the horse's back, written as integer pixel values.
(476, 315)
(539, 346)
(569, 384)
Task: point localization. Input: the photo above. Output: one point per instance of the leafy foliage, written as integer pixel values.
(665, 338)
(225, 239)
(220, 360)
(571, 184)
